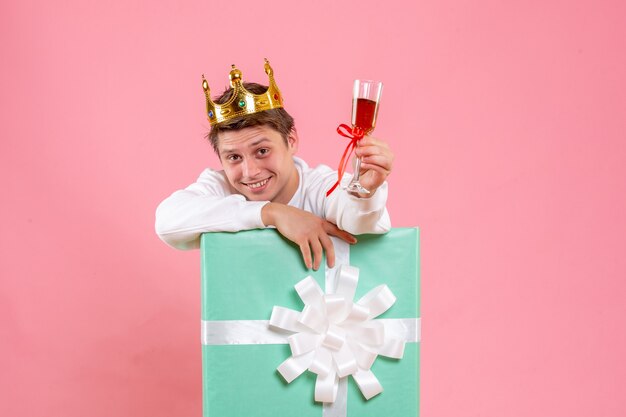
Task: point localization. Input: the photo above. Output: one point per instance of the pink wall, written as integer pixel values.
(509, 127)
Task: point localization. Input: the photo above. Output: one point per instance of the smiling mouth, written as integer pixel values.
(255, 185)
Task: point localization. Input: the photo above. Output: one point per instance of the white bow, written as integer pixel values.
(334, 337)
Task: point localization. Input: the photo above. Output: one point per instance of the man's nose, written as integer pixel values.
(250, 168)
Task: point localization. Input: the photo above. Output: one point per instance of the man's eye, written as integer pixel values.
(263, 151)
(233, 158)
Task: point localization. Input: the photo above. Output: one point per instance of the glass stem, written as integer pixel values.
(357, 170)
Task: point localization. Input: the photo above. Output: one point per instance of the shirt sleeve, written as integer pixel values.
(351, 213)
(205, 206)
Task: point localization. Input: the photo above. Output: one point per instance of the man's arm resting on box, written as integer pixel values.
(308, 231)
(185, 215)
(207, 206)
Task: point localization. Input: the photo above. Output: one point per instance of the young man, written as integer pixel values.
(263, 184)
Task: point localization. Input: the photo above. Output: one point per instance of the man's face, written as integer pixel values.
(258, 163)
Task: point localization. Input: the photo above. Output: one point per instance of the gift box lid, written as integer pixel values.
(244, 274)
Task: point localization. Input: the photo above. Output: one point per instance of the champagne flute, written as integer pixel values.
(365, 99)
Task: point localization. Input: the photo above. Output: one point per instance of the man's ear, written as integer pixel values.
(293, 141)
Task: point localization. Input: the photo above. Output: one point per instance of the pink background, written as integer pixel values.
(509, 127)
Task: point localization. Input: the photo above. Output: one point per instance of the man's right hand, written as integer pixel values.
(309, 232)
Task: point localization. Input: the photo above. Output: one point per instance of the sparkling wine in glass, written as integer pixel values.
(365, 99)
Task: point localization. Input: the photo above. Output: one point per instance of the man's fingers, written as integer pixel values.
(306, 254)
(329, 248)
(379, 160)
(365, 151)
(371, 140)
(372, 146)
(333, 230)
(316, 246)
(372, 150)
(382, 171)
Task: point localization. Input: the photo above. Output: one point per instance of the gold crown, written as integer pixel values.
(242, 101)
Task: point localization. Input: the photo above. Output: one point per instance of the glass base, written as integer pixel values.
(356, 187)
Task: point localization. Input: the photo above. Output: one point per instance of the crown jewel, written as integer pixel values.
(242, 101)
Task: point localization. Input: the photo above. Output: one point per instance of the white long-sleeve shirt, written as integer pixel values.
(212, 205)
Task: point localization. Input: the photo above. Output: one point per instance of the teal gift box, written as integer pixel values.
(246, 274)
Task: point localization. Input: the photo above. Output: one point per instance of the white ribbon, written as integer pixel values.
(334, 337)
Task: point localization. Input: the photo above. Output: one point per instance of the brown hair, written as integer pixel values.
(277, 119)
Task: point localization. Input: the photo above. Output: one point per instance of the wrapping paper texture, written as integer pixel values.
(245, 274)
